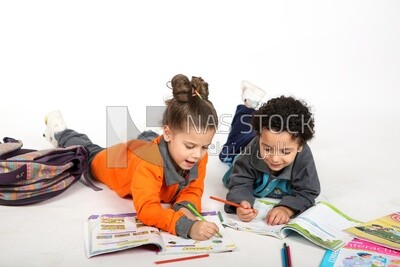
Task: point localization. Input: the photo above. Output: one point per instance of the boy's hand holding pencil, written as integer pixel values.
(243, 211)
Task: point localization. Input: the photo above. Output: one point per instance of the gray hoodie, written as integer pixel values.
(249, 177)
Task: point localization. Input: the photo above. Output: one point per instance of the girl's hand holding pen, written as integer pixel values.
(203, 230)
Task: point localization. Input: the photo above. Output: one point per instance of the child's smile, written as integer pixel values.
(278, 149)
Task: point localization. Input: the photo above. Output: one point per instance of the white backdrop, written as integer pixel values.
(342, 57)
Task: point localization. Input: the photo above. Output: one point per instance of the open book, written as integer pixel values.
(114, 232)
(361, 253)
(322, 224)
(384, 231)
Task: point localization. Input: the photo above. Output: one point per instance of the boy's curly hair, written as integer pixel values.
(285, 114)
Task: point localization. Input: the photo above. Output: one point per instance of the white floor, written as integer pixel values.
(50, 233)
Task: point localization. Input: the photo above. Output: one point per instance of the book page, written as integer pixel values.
(384, 231)
(258, 225)
(323, 224)
(174, 244)
(361, 253)
(113, 232)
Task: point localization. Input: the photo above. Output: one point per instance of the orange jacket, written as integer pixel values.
(137, 168)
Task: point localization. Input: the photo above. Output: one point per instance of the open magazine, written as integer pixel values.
(361, 253)
(322, 224)
(114, 232)
(384, 231)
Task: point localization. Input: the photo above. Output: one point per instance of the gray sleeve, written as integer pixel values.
(305, 183)
(241, 183)
(182, 204)
(183, 226)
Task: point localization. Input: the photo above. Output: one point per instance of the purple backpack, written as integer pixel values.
(28, 176)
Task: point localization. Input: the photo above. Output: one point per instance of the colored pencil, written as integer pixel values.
(289, 258)
(220, 217)
(283, 253)
(199, 215)
(225, 201)
(182, 259)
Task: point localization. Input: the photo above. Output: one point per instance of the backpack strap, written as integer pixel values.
(89, 180)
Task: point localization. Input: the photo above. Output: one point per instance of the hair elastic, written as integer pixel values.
(197, 93)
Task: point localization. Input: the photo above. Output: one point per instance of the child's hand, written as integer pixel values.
(202, 230)
(279, 215)
(245, 212)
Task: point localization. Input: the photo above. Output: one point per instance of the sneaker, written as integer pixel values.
(252, 95)
(55, 123)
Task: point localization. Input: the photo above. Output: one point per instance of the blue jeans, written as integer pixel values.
(240, 134)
